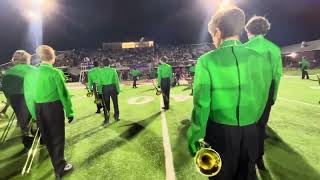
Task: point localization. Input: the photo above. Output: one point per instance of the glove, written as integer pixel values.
(194, 148)
(70, 119)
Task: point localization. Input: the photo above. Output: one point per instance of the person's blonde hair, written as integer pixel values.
(21, 57)
(46, 53)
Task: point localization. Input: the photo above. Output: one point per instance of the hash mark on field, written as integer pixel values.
(166, 145)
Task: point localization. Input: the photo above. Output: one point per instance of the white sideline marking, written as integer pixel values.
(170, 173)
(299, 102)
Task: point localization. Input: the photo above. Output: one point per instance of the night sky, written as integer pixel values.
(87, 23)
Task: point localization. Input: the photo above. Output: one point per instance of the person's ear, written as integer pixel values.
(249, 35)
(217, 37)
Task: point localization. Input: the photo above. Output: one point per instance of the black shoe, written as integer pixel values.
(116, 118)
(98, 112)
(105, 122)
(67, 169)
(260, 164)
(165, 108)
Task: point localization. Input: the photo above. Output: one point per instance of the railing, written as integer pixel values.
(5, 64)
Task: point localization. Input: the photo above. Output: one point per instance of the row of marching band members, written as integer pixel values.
(40, 94)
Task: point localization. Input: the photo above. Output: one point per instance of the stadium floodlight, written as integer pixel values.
(225, 4)
(37, 9)
(293, 55)
(34, 16)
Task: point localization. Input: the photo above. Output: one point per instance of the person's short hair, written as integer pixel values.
(229, 21)
(96, 64)
(258, 25)
(45, 53)
(21, 57)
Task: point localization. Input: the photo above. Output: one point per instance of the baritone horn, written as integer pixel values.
(158, 91)
(89, 94)
(207, 160)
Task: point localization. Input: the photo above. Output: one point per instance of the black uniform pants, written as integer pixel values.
(262, 123)
(97, 95)
(107, 92)
(23, 115)
(305, 74)
(135, 78)
(237, 147)
(50, 119)
(178, 79)
(99, 106)
(165, 87)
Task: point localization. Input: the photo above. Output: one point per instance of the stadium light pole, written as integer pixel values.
(35, 12)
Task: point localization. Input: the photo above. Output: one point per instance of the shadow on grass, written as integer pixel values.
(187, 88)
(83, 118)
(313, 79)
(181, 151)
(14, 156)
(14, 166)
(77, 138)
(133, 130)
(148, 90)
(284, 162)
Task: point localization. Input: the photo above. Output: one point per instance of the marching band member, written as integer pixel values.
(257, 27)
(192, 70)
(164, 82)
(230, 92)
(135, 73)
(304, 65)
(47, 98)
(14, 91)
(94, 85)
(110, 88)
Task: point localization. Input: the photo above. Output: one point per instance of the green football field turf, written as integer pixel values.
(133, 148)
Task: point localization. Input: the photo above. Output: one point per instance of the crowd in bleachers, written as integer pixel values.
(176, 55)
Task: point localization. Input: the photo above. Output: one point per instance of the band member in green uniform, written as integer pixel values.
(257, 27)
(109, 81)
(305, 65)
(231, 88)
(192, 70)
(164, 82)
(94, 85)
(14, 92)
(135, 73)
(48, 101)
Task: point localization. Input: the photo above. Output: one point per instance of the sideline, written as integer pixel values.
(170, 173)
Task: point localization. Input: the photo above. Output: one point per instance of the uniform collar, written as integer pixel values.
(230, 43)
(46, 65)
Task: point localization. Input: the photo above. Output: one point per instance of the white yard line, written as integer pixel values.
(170, 173)
(299, 102)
